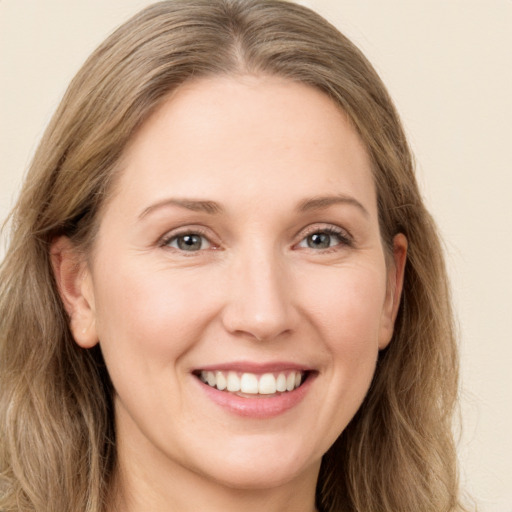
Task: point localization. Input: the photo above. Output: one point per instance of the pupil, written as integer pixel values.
(189, 242)
(319, 240)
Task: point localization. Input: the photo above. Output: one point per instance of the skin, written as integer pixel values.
(255, 291)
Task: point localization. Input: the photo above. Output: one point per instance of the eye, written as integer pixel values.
(324, 239)
(189, 242)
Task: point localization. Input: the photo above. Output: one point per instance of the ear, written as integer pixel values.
(76, 291)
(395, 281)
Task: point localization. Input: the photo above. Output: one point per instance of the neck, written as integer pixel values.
(189, 498)
(140, 490)
(147, 480)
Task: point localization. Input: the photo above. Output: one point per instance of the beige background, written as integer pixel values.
(448, 64)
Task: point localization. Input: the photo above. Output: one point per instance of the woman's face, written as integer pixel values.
(241, 246)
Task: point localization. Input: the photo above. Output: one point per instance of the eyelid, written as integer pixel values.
(188, 230)
(344, 235)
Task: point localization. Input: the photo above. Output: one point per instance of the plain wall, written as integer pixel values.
(448, 65)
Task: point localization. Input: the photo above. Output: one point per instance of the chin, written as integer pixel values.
(261, 469)
(258, 478)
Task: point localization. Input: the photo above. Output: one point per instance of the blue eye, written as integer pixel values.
(189, 242)
(323, 239)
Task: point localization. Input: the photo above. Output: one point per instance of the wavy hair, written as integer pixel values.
(57, 436)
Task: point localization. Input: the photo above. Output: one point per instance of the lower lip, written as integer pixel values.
(260, 406)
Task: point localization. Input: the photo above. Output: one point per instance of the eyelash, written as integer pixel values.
(193, 231)
(344, 239)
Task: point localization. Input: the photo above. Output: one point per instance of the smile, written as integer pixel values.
(254, 390)
(253, 383)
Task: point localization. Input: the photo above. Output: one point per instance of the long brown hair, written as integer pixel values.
(57, 438)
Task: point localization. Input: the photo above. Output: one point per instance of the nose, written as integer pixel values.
(259, 304)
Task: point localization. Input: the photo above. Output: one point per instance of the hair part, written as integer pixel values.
(57, 435)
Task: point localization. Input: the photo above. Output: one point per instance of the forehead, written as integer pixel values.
(246, 135)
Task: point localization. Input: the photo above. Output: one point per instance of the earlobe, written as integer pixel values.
(396, 271)
(75, 288)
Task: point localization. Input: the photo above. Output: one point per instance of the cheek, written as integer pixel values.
(344, 309)
(150, 317)
(347, 306)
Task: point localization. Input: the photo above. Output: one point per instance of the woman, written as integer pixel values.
(222, 288)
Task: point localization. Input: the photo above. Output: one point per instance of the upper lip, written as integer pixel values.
(255, 367)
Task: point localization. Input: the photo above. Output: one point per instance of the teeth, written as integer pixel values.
(251, 383)
(267, 384)
(222, 382)
(281, 383)
(290, 381)
(233, 382)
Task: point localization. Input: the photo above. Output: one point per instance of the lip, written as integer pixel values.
(251, 367)
(259, 406)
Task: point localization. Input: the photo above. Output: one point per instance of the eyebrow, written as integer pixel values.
(194, 205)
(324, 202)
(214, 208)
